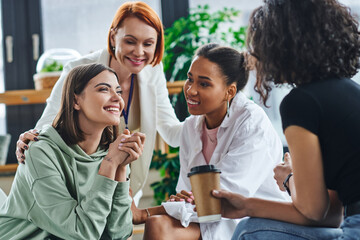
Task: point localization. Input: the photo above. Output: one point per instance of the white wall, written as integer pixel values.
(82, 25)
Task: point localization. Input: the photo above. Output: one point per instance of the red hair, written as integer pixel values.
(146, 14)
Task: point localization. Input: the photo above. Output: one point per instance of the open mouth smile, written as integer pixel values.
(192, 102)
(136, 61)
(113, 110)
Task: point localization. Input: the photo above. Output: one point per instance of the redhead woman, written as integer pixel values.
(135, 49)
(74, 184)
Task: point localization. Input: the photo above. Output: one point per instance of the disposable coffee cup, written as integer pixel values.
(204, 179)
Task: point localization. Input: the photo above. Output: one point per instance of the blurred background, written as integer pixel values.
(31, 28)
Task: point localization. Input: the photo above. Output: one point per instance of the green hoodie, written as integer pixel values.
(58, 192)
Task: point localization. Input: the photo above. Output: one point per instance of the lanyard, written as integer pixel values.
(126, 113)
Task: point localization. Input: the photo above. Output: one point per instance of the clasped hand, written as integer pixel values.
(130, 146)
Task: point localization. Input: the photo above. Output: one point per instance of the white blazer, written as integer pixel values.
(248, 148)
(156, 112)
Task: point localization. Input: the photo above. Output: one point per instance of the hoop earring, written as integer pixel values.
(228, 108)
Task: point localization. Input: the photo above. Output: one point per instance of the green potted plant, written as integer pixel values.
(48, 75)
(200, 27)
(50, 66)
(168, 166)
(181, 41)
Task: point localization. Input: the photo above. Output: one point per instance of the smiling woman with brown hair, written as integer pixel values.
(74, 184)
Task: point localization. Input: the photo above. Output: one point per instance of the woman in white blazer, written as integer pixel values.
(135, 49)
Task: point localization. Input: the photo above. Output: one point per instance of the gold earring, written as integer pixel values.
(228, 108)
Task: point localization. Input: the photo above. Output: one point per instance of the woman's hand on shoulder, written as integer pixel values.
(183, 196)
(22, 143)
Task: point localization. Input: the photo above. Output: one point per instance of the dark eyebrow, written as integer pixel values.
(106, 84)
(202, 77)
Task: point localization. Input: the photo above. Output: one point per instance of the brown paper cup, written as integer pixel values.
(204, 179)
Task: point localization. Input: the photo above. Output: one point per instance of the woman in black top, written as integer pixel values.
(313, 45)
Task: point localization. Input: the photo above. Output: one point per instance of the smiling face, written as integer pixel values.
(100, 104)
(206, 92)
(135, 44)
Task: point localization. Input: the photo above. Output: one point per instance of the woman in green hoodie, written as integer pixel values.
(74, 185)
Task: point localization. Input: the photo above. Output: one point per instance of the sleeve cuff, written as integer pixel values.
(104, 186)
(122, 190)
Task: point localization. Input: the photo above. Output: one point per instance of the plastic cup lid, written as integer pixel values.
(203, 169)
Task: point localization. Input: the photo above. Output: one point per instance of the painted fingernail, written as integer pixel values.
(120, 145)
(26, 147)
(192, 197)
(36, 139)
(182, 200)
(171, 200)
(215, 191)
(189, 200)
(122, 140)
(190, 193)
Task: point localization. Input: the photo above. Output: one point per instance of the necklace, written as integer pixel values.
(126, 113)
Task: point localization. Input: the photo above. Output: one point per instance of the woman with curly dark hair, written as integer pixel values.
(313, 45)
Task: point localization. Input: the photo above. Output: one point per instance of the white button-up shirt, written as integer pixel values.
(248, 148)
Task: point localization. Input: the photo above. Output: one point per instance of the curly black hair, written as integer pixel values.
(301, 41)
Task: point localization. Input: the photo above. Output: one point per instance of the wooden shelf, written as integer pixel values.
(8, 168)
(138, 229)
(175, 87)
(22, 97)
(31, 96)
